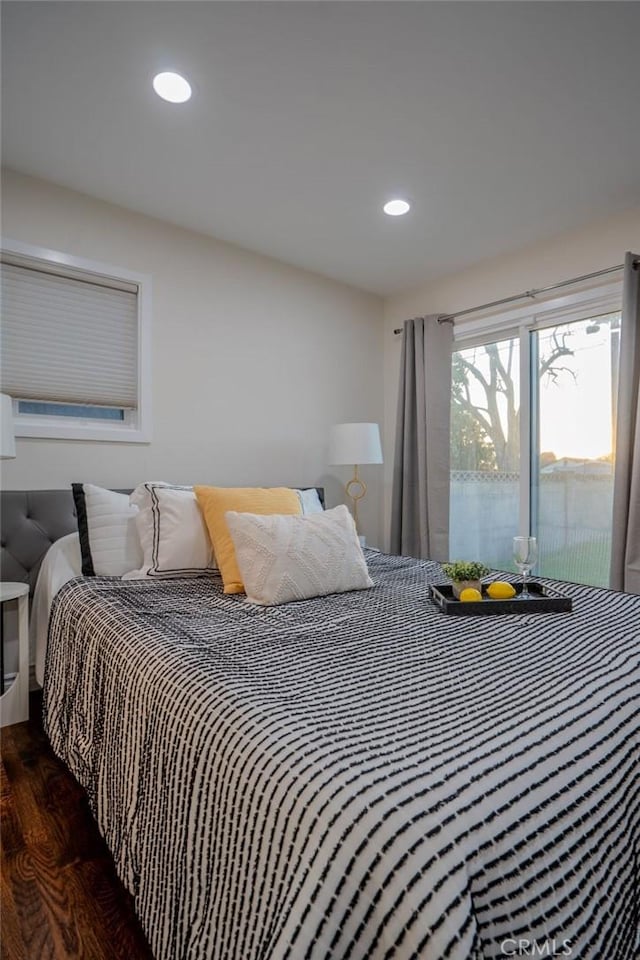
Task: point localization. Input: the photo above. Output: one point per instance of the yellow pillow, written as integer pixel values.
(214, 503)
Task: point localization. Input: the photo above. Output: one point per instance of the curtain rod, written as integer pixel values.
(528, 293)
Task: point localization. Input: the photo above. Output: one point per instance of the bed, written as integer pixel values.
(356, 775)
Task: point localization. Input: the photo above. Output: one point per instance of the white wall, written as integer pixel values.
(597, 246)
(253, 360)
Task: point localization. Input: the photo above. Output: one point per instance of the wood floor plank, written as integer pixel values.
(61, 897)
(42, 787)
(10, 827)
(11, 943)
(31, 913)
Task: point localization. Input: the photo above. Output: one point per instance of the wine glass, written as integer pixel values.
(525, 554)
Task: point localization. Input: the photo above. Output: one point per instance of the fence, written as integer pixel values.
(573, 528)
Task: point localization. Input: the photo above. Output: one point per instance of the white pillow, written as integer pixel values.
(173, 535)
(309, 501)
(284, 558)
(107, 527)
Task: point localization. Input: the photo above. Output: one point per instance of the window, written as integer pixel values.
(485, 451)
(75, 347)
(532, 436)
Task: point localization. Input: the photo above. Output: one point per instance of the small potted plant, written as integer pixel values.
(465, 573)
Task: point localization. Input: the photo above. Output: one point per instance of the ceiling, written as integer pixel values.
(503, 123)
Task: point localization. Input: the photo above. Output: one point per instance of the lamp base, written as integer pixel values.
(356, 489)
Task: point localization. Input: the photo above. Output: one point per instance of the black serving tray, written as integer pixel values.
(542, 599)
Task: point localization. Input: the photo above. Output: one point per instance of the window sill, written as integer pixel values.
(88, 430)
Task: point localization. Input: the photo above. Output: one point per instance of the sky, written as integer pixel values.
(575, 415)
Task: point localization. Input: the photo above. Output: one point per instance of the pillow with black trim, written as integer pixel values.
(109, 542)
(173, 535)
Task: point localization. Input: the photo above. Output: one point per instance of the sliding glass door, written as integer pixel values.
(532, 436)
(573, 414)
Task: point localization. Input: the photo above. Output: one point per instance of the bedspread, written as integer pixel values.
(357, 775)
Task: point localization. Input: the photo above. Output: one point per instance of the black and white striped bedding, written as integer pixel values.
(357, 775)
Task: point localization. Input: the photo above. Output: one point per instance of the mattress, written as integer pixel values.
(356, 775)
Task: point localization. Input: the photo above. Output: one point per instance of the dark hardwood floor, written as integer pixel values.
(60, 896)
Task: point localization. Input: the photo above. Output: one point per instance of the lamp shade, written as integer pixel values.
(355, 443)
(7, 435)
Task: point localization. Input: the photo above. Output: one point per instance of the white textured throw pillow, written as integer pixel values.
(173, 535)
(284, 558)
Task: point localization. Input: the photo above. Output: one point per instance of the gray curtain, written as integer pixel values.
(420, 497)
(625, 547)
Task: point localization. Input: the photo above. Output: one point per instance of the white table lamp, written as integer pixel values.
(357, 444)
(7, 433)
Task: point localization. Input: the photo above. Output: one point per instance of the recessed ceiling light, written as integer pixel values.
(396, 208)
(172, 87)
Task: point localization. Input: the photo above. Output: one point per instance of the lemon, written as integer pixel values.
(470, 593)
(500, 590)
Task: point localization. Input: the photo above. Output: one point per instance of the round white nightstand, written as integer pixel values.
(14, 701)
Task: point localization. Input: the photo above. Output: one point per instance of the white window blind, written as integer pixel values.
(68, 336)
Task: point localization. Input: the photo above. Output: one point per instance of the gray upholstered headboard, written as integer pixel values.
(30, 521)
